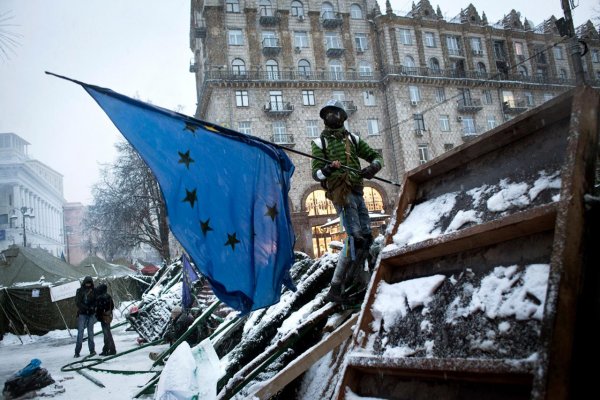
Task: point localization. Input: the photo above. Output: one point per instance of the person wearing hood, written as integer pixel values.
(85, 300)
(104, 314)
(344, 187)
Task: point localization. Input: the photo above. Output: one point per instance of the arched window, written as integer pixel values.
(327, 10)
(238, 67)
(373, 199)
(434, 64)
(335, 69)
(356, 12)
(364, 69)
(304, 68)
(264, 8)
(297, 9)
(481, 69)
(232, 6)
(317, 204)
(523, 70)
(272, 70)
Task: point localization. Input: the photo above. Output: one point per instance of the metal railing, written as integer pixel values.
(279, 107)
(469, 105)
(284, 138)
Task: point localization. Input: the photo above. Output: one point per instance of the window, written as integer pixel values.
(440, 94)
(335, 70)
(469, 126)
(327, 11)
(304, 68)
(332, 41)
(312, 128)
(373, 127)
(540, 55)
(276, 100)
(360, 39)
(434, 64)
(415, 93)
(448, 146)
(481, 69)
(308, 97)
(269, 39)
(519, 51)
(491, 121)
(453, 43)
(595, 56)
(499, 51)
(563, 74)
(241, 98)
(487, 96)
(364, 69)
(429, 39)
(522, 70)
(405, 36)
(279, 132)
(245, 127)
(409, 65)
(529, 99)
(232, 6)
(297, 9)
(264, 8)
(238, 67)
(558, 53)
(338, 95)
(444, 123)
(423, 153)
(369, 98)
(300, 39)
(272, 70)
(476, 46)
(356, 12)
(235, 37)
(419, 122)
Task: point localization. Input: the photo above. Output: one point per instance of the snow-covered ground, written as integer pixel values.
(56, 349)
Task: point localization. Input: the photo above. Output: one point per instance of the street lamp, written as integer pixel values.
(26, 212)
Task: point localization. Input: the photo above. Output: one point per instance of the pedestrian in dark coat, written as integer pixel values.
(85, 300)
(104, 314)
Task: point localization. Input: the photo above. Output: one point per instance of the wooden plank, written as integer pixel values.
(566, 266)
(306, 360)
(520, 224)
(407, 197)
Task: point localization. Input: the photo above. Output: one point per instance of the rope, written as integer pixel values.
(11, 324)
(63, 318)
(18, 314)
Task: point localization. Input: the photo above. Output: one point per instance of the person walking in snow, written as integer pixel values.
(85, 300)
(345, 189)
(104, 314)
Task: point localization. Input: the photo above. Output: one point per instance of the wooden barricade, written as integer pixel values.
(476, 293)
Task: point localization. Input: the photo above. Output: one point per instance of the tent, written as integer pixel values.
(27, 276)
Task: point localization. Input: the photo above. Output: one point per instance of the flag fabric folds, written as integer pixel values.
(226, 195)
(189, 276)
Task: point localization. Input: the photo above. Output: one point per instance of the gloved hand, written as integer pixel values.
(329, 168)
(370, 171)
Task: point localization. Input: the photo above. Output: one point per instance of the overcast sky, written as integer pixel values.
(134, 47)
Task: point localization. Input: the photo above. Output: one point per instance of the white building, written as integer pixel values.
(31, 199)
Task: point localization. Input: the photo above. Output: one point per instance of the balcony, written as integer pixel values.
(477, 53)
(456, 53)
(278, 109)
(469, 133)
(514, 106)
(214, 74)
(271, 47)
(419, 132)
(331, 20)
(193, 67)
(200, 30)
(283, 139)
(268, 16)
(350, 107)
(335, 51)
(469, 105)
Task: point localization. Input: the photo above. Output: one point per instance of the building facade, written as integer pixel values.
(31, 199)
(414, 85)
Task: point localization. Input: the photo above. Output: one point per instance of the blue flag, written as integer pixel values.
(226, 195)
(189, 277)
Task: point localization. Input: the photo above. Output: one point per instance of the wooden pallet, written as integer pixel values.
(559, 136)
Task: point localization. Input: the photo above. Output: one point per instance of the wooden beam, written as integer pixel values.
(306, 360)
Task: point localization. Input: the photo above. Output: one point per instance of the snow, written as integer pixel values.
(55, 349)
(350, 395)
(391, 301)
(425, 219)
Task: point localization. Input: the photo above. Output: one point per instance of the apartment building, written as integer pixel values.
(414, 84)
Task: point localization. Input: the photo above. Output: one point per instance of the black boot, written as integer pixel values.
(335, 293)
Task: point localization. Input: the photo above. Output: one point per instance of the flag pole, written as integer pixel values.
(253, 137)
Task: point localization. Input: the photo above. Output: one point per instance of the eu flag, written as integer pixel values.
(189, 276)
(226, 195)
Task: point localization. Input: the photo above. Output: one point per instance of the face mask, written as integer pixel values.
(334, 120)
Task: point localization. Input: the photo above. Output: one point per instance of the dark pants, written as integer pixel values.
(109, 343)
(83, 322)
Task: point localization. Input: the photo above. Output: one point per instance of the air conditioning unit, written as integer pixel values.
(297, 49)
(459, 118)
(477, 52)
(418, 132)
(414, 103)
(300, 18)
